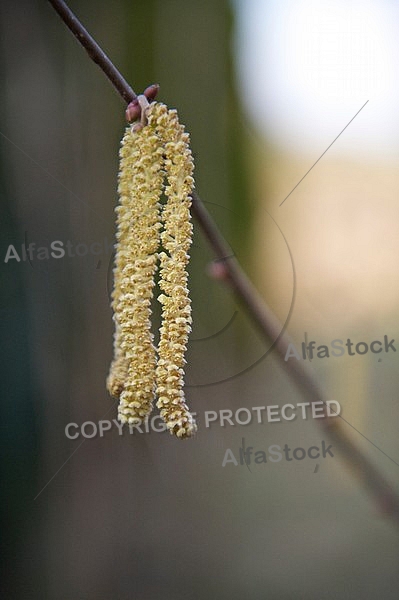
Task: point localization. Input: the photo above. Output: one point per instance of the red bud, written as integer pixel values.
(133, 111)
(151, 91)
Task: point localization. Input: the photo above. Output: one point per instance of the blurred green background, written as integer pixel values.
(147, 516)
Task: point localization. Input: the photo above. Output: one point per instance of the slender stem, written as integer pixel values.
(94, 51)
(261, 315)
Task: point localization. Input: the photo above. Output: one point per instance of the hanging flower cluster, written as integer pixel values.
(155, 159)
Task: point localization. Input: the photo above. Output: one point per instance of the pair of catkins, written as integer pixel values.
(155, 163)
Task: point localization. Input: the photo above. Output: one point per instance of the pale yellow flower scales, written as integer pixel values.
(132, 374)
(176, 305)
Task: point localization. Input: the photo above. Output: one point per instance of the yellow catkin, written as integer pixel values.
(148, 153)
(176, 239)
(132, 375)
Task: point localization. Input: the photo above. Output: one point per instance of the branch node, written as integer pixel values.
(133, 111)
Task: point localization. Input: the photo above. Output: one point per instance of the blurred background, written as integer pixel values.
(264, 87)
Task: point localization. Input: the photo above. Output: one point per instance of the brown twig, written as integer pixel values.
(386, 498)
(96, 54)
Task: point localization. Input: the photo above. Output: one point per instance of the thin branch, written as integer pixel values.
(263, 318)
(96, 54)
